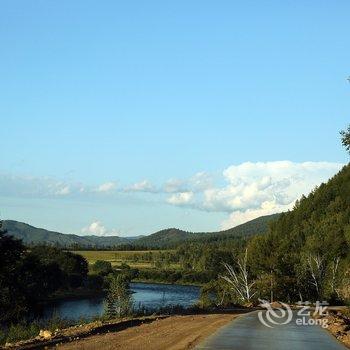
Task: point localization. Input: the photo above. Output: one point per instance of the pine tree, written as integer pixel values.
(345, 138)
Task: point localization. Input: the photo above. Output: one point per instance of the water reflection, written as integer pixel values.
(149, 295)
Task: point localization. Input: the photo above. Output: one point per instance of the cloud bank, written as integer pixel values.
(106, 187)
(244, 191)
(142, 186)
(256, 189)
(180, 198)
(251, 189)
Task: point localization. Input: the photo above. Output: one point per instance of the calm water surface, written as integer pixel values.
(144, 294)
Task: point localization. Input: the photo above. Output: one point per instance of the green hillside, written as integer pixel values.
(320, 220)
(32, 235)
(172, 237)
(307, 250)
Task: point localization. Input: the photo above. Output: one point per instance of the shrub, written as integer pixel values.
(94, 282)
(118, 302)
(102, 267)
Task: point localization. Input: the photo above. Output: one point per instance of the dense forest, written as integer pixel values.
(306, 251)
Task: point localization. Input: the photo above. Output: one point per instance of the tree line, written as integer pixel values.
(29, 276)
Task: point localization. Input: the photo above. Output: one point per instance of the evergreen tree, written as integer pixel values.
(345, 134)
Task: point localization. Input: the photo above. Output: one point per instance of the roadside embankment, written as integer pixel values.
(338, 321)
(171, 333)
(151, 332)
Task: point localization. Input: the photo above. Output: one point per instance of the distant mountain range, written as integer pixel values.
(31, 235)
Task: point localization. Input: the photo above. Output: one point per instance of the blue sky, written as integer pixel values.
(103, 104)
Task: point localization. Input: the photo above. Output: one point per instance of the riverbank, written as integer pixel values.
(150, 281)
(145, 296)
(74, 295)
(82, 293)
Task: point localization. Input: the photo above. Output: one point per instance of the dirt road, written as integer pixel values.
(173, 333)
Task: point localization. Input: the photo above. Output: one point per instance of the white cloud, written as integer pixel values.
(180, 198)
(201, 181)
(98, 229)
(240, 217)
(29, 186)
(256, 189)
(243, 191)
(174, 185)
(95, 228)
(106, 187)
(252, 189)
(197, 183)
(63, 191)
(142, 186)
(43, 187)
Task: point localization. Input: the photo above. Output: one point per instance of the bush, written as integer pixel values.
(27, 330)
(118, 302)
(71, 265)
(130, 273)
(22, 331)
(102, 267)
(94, 282)
(124, 266)
(2, 337)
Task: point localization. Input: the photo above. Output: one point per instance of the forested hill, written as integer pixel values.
(166, 238)
(323, 216)
(307, 250)
(173, 236)
(31, 235)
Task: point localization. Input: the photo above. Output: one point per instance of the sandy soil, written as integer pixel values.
(173, 333)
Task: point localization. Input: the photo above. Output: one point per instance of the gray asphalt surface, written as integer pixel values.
(248, 333)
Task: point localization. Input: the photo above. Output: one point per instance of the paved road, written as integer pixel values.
(247, 333)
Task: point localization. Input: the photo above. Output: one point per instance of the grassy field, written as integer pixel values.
(138, 259)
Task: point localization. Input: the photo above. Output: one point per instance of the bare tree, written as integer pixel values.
(239, 279)
(317, 268)
(334, 269)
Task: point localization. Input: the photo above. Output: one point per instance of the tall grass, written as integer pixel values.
(26, 330)
(30, 329)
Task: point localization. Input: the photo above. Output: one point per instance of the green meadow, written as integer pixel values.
(137, 259)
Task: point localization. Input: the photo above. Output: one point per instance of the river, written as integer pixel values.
(149, 295)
